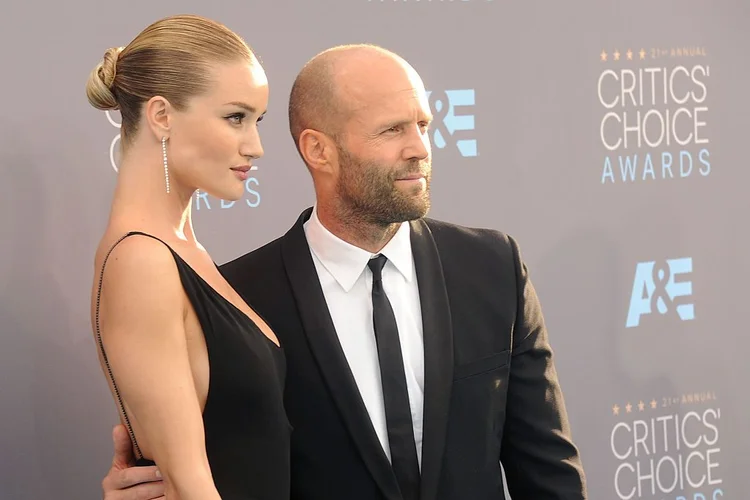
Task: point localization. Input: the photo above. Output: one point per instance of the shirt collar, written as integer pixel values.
(346, 262)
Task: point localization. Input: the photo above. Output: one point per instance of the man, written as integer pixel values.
(417, 355)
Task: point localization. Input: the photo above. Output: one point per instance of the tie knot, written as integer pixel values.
(376, 266)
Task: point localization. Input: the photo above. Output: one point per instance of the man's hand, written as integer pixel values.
(126, 482)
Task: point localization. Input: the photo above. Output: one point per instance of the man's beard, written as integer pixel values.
(369, 194)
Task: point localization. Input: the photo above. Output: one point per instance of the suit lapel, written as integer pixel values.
(438, 352)
(325, 346)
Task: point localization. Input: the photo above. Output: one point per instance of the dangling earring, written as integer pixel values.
(164, 155)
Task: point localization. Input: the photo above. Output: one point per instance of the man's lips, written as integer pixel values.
(410, 177)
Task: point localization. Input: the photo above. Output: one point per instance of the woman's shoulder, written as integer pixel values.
(133, 247)
(138, 287)
(140, 260)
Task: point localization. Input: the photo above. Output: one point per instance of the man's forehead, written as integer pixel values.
(379, 86)
(386, 98)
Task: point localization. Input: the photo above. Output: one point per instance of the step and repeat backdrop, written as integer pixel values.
(610, 138)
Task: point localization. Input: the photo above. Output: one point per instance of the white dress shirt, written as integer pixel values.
(347, 286)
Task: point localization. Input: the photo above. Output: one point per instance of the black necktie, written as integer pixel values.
(395, 394)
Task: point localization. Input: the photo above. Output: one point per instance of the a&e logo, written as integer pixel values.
(453, 125)
(661, 287)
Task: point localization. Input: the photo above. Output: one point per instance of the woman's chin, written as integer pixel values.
(230, 194)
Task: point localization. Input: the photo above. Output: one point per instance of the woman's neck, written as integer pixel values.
(141, 197)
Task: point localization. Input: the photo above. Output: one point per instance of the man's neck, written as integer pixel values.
(362, 234)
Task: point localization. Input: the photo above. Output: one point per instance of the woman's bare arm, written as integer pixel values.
(142, 315)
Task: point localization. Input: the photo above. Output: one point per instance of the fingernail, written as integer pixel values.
(158, 473)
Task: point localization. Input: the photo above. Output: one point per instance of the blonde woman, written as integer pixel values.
(197, 375)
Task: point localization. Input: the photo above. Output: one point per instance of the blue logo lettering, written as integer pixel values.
(452, 124)
(655, 289)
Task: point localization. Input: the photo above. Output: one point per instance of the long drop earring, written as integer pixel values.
(164, 155)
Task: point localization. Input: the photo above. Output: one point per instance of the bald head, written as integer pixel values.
(336, 82)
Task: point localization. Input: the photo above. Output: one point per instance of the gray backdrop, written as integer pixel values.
(638, 248)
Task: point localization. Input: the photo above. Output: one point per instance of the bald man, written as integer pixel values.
(417, 356)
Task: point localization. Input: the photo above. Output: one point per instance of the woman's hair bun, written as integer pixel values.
(100, 85)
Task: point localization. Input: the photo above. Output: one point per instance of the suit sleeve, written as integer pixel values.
(541, 461)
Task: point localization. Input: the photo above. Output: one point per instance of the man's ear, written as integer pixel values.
(318, 150)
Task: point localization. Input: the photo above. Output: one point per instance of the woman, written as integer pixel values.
(197, 375)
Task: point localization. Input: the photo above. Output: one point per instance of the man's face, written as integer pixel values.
(384, 152)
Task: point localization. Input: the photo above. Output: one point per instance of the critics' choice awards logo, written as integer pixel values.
(662, 287)
(667, 448)
(202, 201)
(453, 120)
(654, 123)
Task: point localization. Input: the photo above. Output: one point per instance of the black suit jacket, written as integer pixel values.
(491, 391)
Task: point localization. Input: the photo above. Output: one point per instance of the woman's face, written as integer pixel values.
(213, 142)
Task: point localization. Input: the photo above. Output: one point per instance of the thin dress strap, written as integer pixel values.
(139, 455)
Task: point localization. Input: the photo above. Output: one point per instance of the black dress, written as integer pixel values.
(246, 428)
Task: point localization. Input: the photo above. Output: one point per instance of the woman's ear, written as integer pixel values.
(158, 113)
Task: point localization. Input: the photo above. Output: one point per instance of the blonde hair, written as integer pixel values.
(171, 58)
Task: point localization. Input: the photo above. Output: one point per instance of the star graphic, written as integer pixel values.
(629, 54)
(617, 55)
(628, 407)
(641, 406)
(642, 53)
(603, 55)
(653, 403)
(615, 410)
